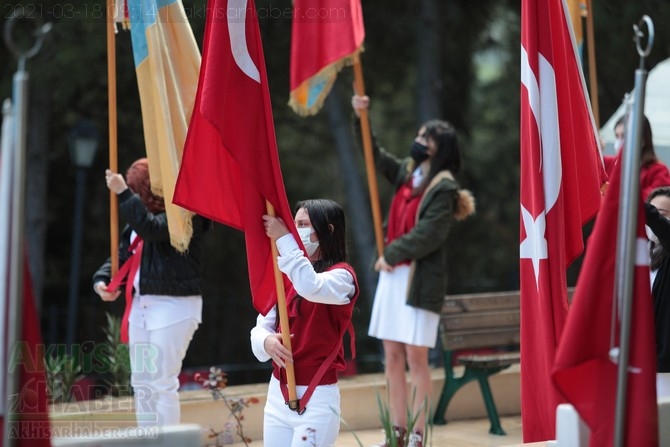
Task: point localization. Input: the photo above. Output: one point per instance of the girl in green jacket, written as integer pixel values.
(413, 268)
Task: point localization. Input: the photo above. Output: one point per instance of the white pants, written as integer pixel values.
(155, 361)
(318, 426)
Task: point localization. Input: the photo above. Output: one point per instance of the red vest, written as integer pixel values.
(318, 331)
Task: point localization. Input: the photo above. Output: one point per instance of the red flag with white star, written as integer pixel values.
(561, 175)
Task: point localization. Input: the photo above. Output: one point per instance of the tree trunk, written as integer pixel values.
(37, 163)
(429, 70)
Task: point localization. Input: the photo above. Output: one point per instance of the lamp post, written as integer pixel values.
(83, 144)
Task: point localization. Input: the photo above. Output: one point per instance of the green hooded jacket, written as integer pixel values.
(425, 246)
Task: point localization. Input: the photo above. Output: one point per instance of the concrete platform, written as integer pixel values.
(459, 433)
(359, 409)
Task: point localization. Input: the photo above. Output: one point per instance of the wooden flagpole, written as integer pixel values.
(593, 77)
(359, 88)
(283, 320)
(113, 151)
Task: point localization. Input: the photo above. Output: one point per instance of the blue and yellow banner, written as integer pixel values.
(167, 62)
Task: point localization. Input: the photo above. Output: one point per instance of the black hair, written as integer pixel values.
(656, 251)
(660, 191)
(328, 221)
(447, 156)
(647, 152)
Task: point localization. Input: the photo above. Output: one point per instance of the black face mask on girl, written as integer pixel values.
(419, 152)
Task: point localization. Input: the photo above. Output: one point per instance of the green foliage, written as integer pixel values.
(117, 359)
(485, 255)
(616, 56)
(62, 371)
(386, 419)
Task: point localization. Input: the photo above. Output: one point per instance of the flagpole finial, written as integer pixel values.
(23, 53)
(639, 35)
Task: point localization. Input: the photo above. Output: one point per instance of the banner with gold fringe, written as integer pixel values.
(326, 36)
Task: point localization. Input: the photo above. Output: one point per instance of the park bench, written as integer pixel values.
(478, 322)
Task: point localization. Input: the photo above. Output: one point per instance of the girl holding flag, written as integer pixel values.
(319, 304)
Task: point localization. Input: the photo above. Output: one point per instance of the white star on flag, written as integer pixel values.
(534, 247)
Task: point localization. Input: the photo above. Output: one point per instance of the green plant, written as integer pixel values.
(215, 383)
(386, 419)
(62, 371)
(117, 358)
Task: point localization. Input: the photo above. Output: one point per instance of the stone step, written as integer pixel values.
(358, 400)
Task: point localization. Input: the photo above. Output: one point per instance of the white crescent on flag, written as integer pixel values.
(544, 107)
(238, 38)
(230, 167)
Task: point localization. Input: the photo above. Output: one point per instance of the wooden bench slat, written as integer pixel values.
(485, 361)
(478, 321)
(508, 317)
(480, 302)
(481, 338)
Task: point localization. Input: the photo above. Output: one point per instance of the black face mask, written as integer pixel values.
(419, 152)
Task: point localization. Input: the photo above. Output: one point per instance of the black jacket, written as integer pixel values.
(661, 288)
(163, 270)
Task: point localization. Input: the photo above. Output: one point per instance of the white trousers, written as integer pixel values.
(318, 426)
(155, 361)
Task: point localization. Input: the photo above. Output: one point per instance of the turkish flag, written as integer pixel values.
(230, 166)
(27, 407)
(561, 175)
(584, 371)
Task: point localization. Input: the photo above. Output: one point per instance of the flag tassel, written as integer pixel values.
(298, 98)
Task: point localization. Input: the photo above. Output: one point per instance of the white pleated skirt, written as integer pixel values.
(392, 319)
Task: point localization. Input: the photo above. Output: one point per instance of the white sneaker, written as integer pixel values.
(415, 440)
(399, 436)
